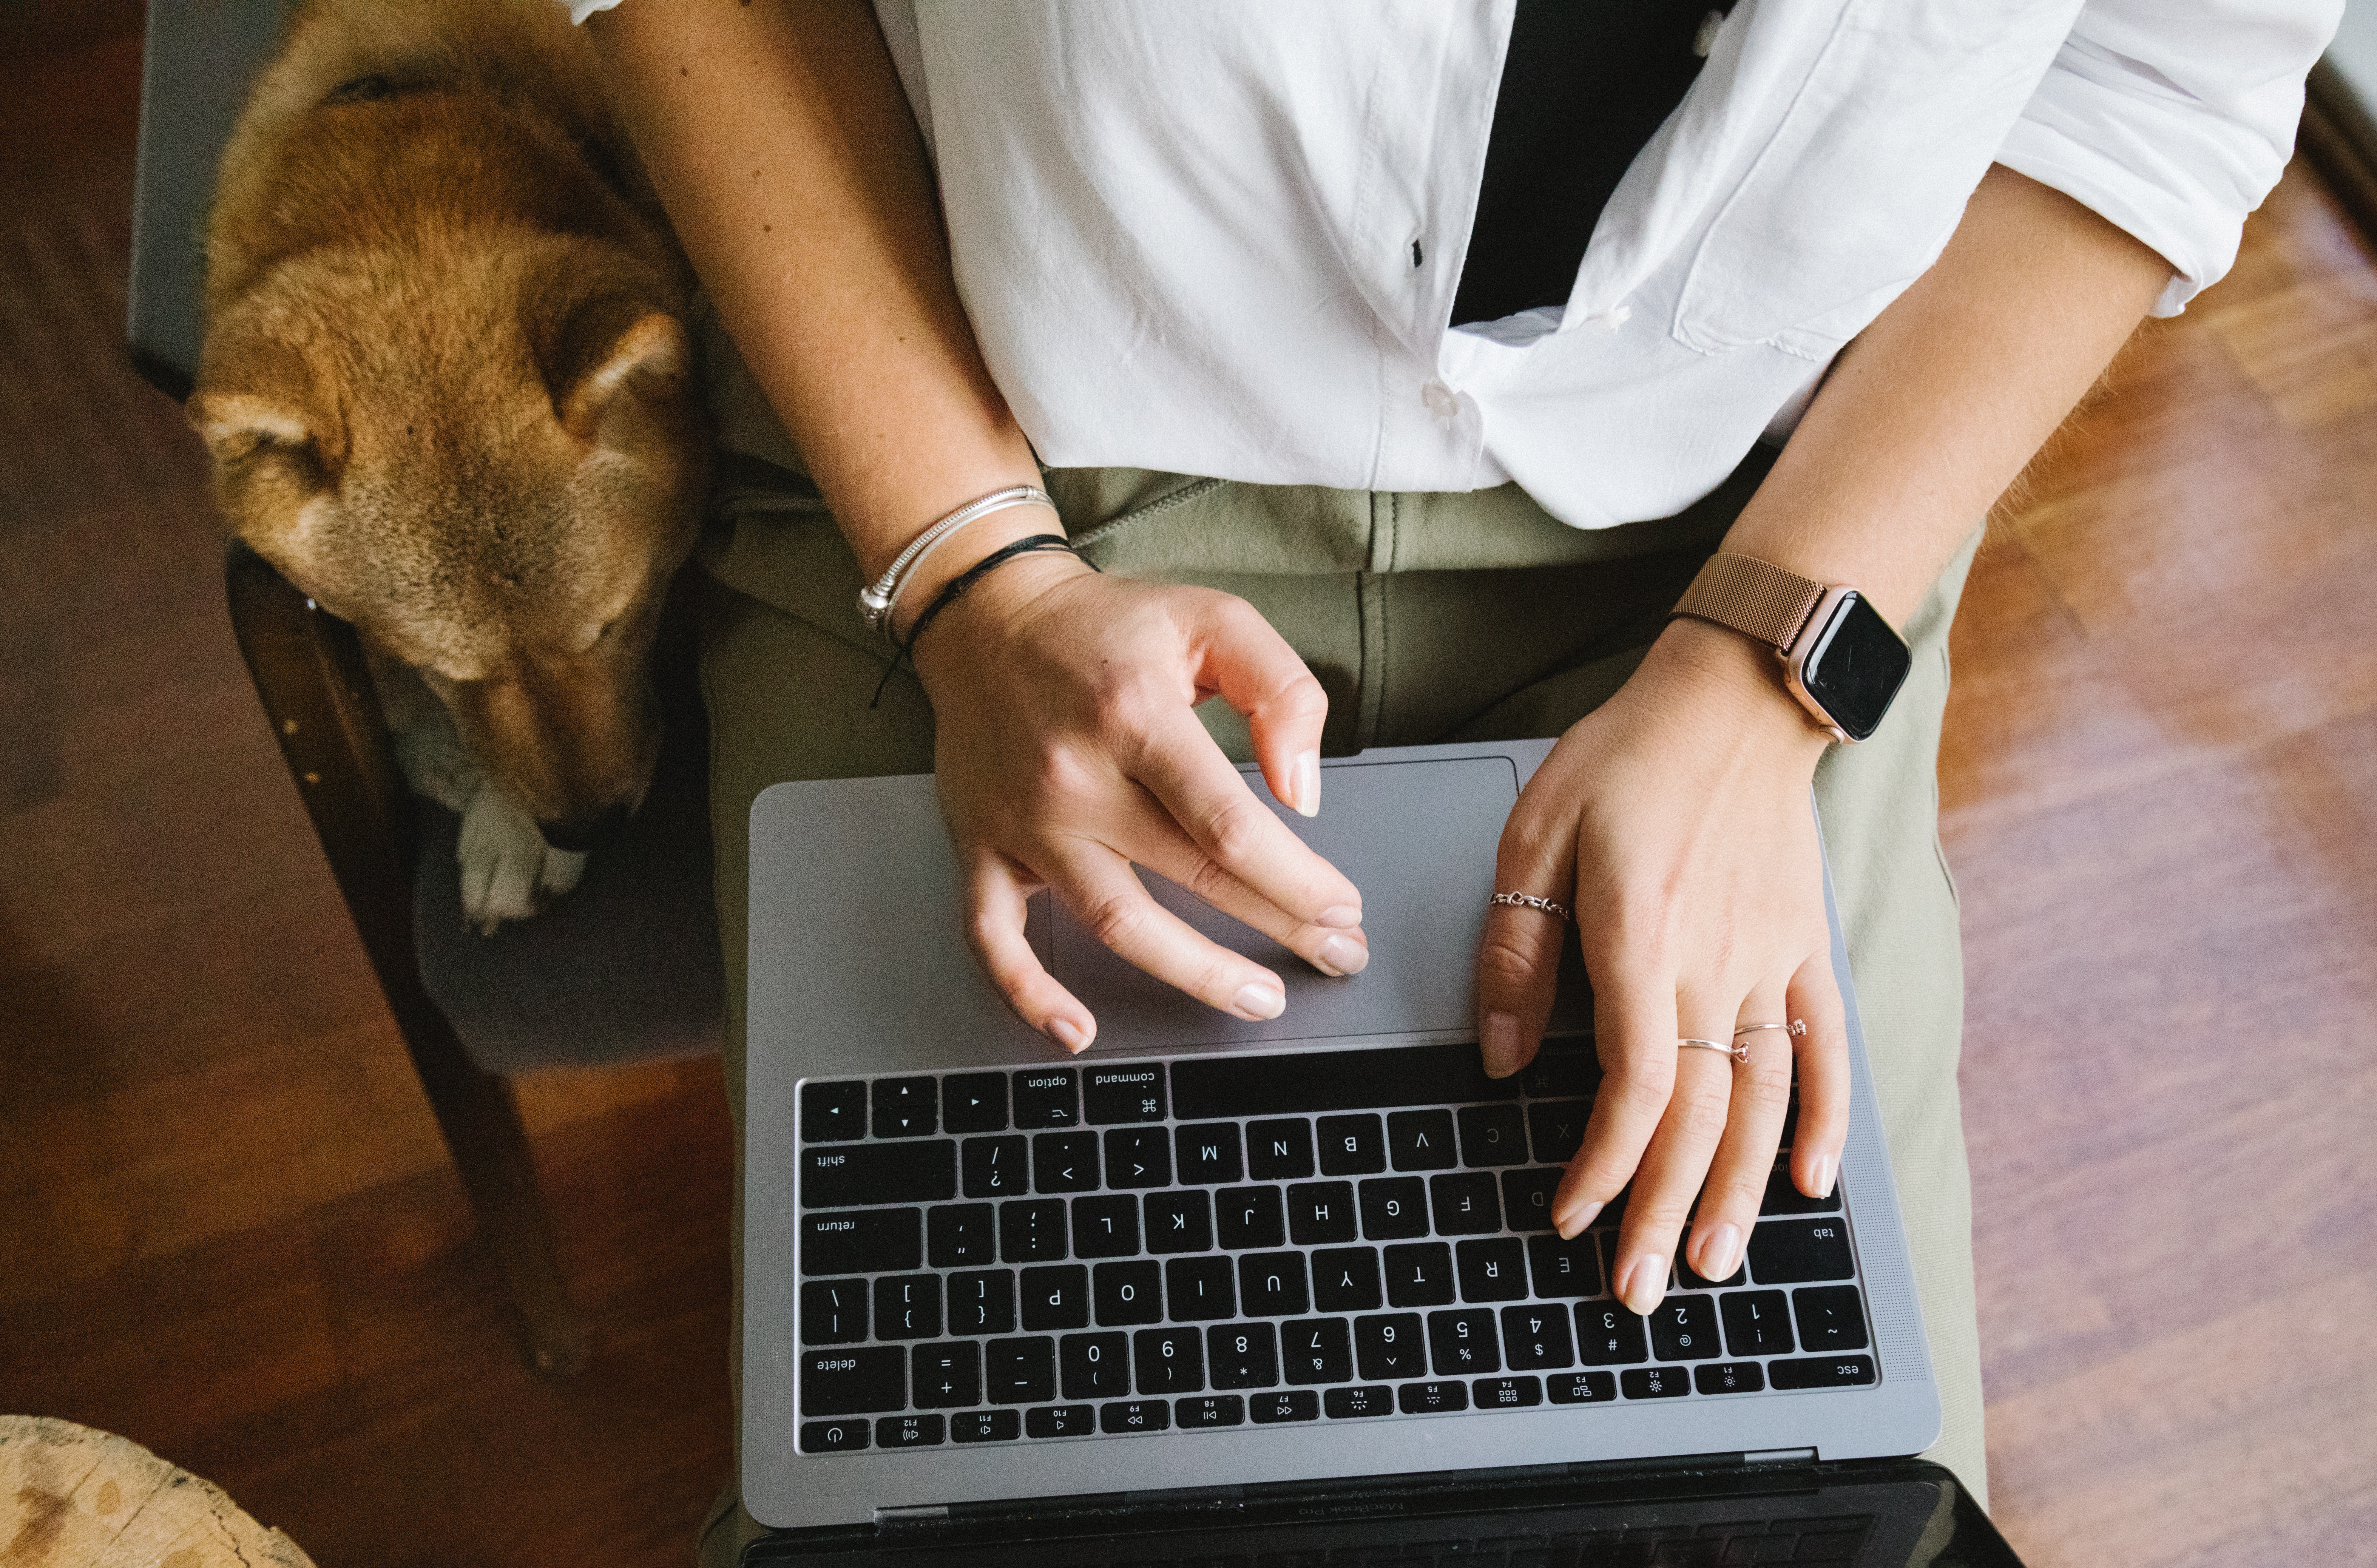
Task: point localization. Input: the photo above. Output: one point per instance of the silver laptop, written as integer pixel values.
(1213, 1258)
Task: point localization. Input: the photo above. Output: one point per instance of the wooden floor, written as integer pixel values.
(227, 1229)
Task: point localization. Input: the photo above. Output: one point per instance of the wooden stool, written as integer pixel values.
(74, 1498)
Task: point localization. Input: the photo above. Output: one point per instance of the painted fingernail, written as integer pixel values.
(1344, 916)
(1821, 1171)
(1344, 955)
(1307, 784)
(1259, 1002)
(1068, 1034)
(1571, 1222)
(1644, 1282)
(1499, 1045)
(1721, 1253)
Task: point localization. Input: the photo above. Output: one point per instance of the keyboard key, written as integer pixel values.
(1493, 1135)
(1030, 1231)
(1198, 1290)
(947, 1374)
(1270, 1285)
(986, 1426)
(1535, 1338)
(1287, 1405)
(1345, 1279)
(906, 1107)
(1560, 1071)
(1389, 1347)
(1137, 1157)
(1350, 1145)
(833, 1437)
(909, 1431)
(869, 1241)
(1683, 1328)
(1432, 1398)
(1242, 1355)
(1465, 1203)
(1557, 1130)
(1609, 1335)
(1419, 1274)
(1127, 1292)
(1582, 1388)
(1316, 1351)
(832, 1113)
(1728, 1377)
(1135, 1416)
(1247, 1217)
(1320, 1212)
(1494, 1270)
(1209, 1411)
(847, 1177)
(1046, 1097)
(1351, 1404)
(1020, 1371)
(833, 1311)
(1421, 1140)
(1207, 1154)
(1757, 1322)
(1830, 1319)
(1785, 1198)
(1655, 1382)
(1168, 1360)
(852, 1383)
(960, 1234)
(1056, 1298)
(1095, 1366)
(1106, 1227)
(908, 1306)
(1563, 1270)
(1527, 1197)
(1462, 1344)
(1060, 1420)
(1123, 1092)
(1179, 1221)
(1792, 1251)
(1690, 1278)
(1279, 1151)
(1508, 1394)
(983, 1302)
(974, 1102)
(1065, 1162)
(1821, 1372)
(994, 1167)
(1393, 1208)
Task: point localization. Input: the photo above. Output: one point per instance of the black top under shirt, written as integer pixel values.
(1586, 84)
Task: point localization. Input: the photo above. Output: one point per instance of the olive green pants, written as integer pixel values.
(1427, 618)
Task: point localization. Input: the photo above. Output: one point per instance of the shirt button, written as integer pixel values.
(1440, 399)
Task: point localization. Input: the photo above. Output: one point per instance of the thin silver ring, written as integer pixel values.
(1740, 1054)
(1529, 901)
(1797, 1026)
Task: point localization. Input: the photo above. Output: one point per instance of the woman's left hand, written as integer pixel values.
(1675, 820)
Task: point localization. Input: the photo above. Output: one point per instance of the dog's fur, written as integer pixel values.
(448, 388)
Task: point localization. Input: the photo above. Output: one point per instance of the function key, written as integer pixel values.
(1421, 1140)
(905, 1107)
(1352, 1145)
(832, 1112)
(1508, 1394)
(909, 1431)
(1288, 1404)
(1125, 1091)
(1134, 1415)
(1823, 1371)
(1729, 1376)
(1279, 1151)
(1493, 1135)
(1048, 1096)
(1208, 1151)
(986, 1426)
(1584, 1388)
(1432, 1398)
(1656, 1382)
(1213, 1410)
(1060, 1420)
(1349, 1404)
(832, 1437)
(975, 1102)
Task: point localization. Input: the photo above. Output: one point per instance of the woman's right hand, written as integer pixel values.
(1067, 750)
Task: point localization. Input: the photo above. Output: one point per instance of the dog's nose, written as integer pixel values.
(579, 834)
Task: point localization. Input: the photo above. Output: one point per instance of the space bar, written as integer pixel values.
(1305, 1081)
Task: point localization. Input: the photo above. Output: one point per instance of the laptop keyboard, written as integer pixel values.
(1205, 1243)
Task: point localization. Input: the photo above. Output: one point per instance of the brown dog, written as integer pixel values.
(446, 385)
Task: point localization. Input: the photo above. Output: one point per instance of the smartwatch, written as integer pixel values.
(1840, 658)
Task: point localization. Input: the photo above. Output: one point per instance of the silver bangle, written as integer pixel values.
(877, 599)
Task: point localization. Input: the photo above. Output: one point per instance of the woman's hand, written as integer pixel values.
(1675, 820)
(1067, 750)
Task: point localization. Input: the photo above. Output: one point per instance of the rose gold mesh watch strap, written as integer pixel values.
(1752, 597)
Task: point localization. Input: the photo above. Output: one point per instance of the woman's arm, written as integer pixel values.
(1678, 812)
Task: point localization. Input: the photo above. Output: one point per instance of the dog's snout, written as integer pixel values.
(579, 834)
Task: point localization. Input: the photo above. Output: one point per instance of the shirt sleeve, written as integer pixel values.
(2173, 118)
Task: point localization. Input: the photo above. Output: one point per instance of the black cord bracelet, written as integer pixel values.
(956, 589)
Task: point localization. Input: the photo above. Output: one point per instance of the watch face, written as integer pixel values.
(1855, 667)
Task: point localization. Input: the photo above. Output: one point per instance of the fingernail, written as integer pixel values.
(1821, 1171)
(1306, 785)
(1344, 916)
(1719, 1253)
(1645, 1282)
(1499, 1045)
(1571, 1223)
(1344, 955)
(1260, 1001)
(1068, 1034)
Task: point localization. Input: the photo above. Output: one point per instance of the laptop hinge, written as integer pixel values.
(1781, 1456)
(914, 1514)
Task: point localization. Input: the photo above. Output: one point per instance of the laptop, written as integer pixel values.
(1278, 1293)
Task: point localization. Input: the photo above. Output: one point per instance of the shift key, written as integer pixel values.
(840, 1176)
(862, 1241)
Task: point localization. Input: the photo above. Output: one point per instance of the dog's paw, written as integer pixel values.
(506, 866)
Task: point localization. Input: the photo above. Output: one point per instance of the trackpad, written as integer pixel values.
(1417, 838)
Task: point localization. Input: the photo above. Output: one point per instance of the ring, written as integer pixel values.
(1797, 1026)
(1740, 1054)
(1529, 901)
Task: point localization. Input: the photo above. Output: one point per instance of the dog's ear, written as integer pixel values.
(609, 348)
(260, 397)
